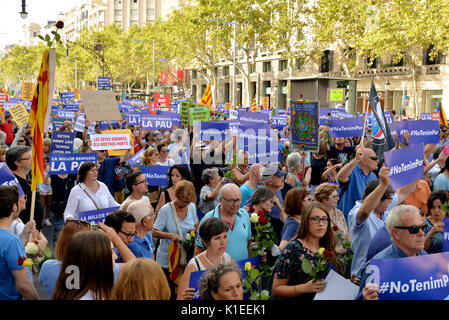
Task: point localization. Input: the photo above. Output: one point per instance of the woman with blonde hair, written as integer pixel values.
(150, 157)
(141, 279)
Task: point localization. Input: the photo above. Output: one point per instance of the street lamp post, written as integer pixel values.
(235, 55)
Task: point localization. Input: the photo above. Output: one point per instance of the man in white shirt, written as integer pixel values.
(138, 185)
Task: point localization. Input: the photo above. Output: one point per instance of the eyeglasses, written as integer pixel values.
(232, 201)
(129, 235)
(317, 220)
(414, 229)
(21, 159)
(374, 158)
(143, 181)
(21, 141)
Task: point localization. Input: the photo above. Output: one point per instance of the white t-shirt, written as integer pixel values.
(168, 162)
(145, 198)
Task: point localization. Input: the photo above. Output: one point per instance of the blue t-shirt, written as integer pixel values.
(246, 193)
(238, 238)
(441, 182)
(290, 229)
(11, 248)
(352, 190)
(361, 234)
(48, 276)
(142, 248)
(166, 222)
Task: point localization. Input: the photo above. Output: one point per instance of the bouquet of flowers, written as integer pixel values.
(345, 258)
(317, 272)
(251, 283)
(189, 244)
(263, 236)
(34, 259)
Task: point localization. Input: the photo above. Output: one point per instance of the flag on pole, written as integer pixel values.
(443, 119)
(37, 119)
(382, 138)
(206, 100)
(174, 254)
(254, 105)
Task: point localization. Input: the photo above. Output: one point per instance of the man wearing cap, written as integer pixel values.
(143, 212)
(273, 179)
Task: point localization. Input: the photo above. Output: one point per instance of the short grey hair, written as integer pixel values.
(210, 281)
(208, 174)
(293, 161)
(395, 214)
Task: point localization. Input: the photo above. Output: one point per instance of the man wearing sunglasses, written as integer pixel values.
(370, 214)
(406, 228)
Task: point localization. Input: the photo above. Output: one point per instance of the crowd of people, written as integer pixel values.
(338, 198)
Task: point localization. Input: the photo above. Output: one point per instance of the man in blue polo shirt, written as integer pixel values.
(354, 177)
(229, 211)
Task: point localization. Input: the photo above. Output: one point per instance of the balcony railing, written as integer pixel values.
(388, 71)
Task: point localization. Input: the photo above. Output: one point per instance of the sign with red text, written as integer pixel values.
(110, 141)
(162, 101)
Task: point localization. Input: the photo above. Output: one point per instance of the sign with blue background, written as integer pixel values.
(62, 142)
(69, 163)
(103, 83)
(155, 175)
(94, 216)
(406, 165)
(421, 131)
(346, 128)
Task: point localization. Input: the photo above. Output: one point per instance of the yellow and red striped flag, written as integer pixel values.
(254, 105)
(37, 119)
(174, 253)
(206, 100)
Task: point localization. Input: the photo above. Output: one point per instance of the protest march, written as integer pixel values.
(191, 200)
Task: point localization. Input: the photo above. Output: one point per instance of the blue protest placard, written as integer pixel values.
(103, 83)
(136, 158)
(330, 113)
(67, 97)
(304, 124)
(69, 163)
(406, 165)
(55, 109)
(346, 128)
(421, 131)
(446, 235)
(57, 123)
(258, 117)
(195, 277)
(98, 215)
(72, 107)
(164, 121)
(412, 278)
(62, 142)
(155, 175)
(259, 141)
(7, 178)
(278, 122)
(66, 114)
(213, 130)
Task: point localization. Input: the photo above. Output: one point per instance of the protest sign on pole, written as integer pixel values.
(304, 125)
(100, 105)
(259, 117)
(103, 83)
(406, 165)
(61, 163)
(199, 114)
(120, 152)
(213, 130)
(19, 114)
(110, 141)
(162, 101)
(62, 142)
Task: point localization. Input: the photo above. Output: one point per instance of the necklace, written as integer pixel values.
(212, 264)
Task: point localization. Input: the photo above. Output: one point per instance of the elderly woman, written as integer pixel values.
(173, 222)
(298, 175)
(214, 235)
(315, 232)
(89, 194)
(209, 192)
(223, 282)
(293, 209)
(176, 173)
(150, 157)
(327, 194)
(435, 225)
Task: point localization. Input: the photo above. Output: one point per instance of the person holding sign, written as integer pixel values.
(406, 227)
(435, 224)
(89, 194)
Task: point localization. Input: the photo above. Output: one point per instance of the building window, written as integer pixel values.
(252, 68)
(134, 11)
(225, 71)
(283, 65)
(267, 66)
(135, 1)
(299, 63)
(428, 58)
(216, 71)
(150, 12)
(118, 12)
(34, 34)
(373, 63)
(194, 74)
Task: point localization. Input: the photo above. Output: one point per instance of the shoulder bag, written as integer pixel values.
(183, 260)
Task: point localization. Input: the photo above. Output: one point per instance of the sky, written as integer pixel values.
(39, 11)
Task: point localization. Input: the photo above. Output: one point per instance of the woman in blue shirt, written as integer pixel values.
(435, 225)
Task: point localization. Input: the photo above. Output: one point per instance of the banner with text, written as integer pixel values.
(421, 131)
(98, 215)
(69, 163)
(155, 175)
(346, 128)
(62, 142)
(406, 165)
(110, 142)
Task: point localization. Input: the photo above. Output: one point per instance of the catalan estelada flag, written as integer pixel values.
(443, 119)
(174, 253)
(206, 100)
(36, 118)
(254, 105)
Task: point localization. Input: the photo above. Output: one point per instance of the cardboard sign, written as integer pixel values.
(336, 95)
(110, 142)
(27, 90)
(162, 101)
(100, 105)
(19, 114)
(115, 153)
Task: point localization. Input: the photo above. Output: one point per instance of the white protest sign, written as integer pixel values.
(110, 141)
(337, 288)
(80, 123)
(100, 105)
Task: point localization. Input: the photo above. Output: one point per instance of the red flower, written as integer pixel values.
(261, 213)
(59, 24)
(335, 228)
(327, 253)
(263, 221)
(20, 260)
(251, 209)
(301, 95)
(329, 114)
